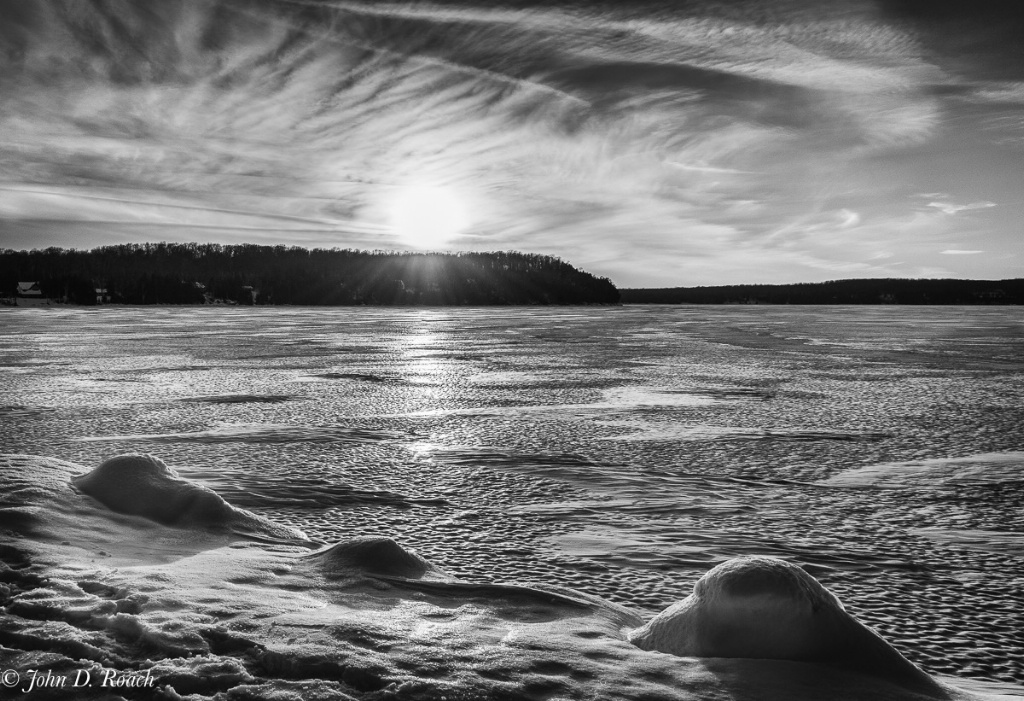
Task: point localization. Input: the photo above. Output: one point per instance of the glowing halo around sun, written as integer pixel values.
(427, 216)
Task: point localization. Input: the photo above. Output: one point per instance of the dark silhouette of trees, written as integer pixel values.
(868, 291)
(191, 273)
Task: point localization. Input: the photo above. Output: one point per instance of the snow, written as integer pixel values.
(143, 485)
(761, 607)
(375, 556)
(131, 573)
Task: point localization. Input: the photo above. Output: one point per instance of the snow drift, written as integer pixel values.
(143, 485)
(130, 572)
(760, 607)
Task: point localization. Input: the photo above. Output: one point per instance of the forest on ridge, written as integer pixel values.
(192, 273)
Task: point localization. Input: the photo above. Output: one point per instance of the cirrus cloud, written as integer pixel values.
(656, 144)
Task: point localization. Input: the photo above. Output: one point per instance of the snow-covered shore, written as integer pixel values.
(134, 583)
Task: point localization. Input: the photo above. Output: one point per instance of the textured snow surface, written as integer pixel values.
(175, 590)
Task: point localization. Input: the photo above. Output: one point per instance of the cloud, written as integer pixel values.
(714, 132)
(951, 208)
(959, 252)
(848, 218)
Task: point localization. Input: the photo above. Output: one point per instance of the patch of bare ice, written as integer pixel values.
(651, 431)
(262, 433)
(989, 468)
(976, 539)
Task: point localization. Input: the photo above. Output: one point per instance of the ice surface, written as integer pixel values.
(262, 433)
(990, 468)
(239, 398)
(977, 539)
(211, 618)
(646, 431)
(554, 446)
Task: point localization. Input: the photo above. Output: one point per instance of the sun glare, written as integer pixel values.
(427, 216)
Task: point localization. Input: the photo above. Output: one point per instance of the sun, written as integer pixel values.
(427, 216)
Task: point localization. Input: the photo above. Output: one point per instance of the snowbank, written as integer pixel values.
(145, 585)
(143, 485)
(369, 556)
(760, 607)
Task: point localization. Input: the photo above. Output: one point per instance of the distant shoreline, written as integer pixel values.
(877, 292)
(51, 304)
(193, 274)
(56, 304)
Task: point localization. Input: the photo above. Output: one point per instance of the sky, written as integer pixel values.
(659, 144)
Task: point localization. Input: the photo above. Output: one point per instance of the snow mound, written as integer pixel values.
(143, 485)
(374, 556)
(761, 607)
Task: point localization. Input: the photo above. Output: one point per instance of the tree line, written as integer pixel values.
(866, 291)
(193, 273)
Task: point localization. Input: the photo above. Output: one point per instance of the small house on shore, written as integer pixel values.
(29, 294)
(28, 290)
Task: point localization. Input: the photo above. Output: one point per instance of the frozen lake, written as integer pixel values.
(619, 451)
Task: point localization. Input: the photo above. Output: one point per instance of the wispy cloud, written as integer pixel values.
(638, 138)
(950, 208)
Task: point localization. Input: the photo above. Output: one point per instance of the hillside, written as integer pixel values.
(169, 273)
